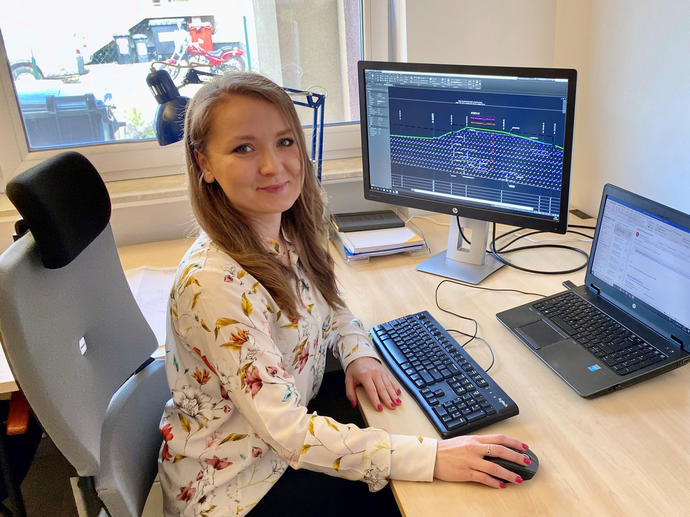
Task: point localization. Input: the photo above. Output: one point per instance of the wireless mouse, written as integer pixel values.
(524, 471)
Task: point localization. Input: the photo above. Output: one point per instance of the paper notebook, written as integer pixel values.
(380, 240)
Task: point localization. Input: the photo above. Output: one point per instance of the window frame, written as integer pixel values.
(130, 160)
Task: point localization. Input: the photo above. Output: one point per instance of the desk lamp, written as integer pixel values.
(169, 120)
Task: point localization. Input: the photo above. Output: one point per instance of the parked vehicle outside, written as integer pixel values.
(190, 51)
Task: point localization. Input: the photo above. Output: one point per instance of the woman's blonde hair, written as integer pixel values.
(303, 224)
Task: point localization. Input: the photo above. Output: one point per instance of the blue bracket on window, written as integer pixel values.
(316, 102)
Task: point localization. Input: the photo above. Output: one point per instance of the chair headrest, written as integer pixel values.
(65, 204)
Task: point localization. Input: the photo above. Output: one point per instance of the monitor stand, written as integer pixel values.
(458, 262)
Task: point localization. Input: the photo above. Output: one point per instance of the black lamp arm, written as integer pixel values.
(170, 114)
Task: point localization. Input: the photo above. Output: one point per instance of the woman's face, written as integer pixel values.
(252, 153)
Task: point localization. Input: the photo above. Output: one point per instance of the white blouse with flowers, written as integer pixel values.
(241, 374)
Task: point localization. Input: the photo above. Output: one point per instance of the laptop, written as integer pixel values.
(631, 319)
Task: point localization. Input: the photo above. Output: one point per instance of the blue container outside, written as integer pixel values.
(52, 120)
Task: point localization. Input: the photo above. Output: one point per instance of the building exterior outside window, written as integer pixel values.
(73, 74)
(79, 72)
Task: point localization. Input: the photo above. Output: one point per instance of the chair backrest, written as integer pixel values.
(69, 324)
(131, 441)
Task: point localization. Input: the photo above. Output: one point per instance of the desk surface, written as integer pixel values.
(621, 454)
(7, 383)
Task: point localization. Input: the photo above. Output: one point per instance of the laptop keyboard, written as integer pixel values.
(617, 347)
(456, 394)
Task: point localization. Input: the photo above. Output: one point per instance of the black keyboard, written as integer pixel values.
(617, 347)
(456, 394)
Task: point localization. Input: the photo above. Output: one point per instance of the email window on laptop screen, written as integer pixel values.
(645, 257)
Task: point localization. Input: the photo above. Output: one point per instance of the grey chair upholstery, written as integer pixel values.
(126, 446)
(74, 335)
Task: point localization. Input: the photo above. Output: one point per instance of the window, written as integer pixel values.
(77, 72)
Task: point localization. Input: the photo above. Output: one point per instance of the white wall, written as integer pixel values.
(634, 128)
(475, 32)
(633, 97)
(573, 48)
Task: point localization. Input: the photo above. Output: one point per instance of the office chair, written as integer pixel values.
(75, 338)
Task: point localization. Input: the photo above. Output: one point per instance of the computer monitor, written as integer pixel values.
(486, 143)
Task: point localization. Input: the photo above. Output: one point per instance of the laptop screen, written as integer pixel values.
(646, 258)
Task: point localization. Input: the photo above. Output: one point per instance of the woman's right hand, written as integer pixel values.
(462, 459)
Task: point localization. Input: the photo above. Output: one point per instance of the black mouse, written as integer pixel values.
(524, 471)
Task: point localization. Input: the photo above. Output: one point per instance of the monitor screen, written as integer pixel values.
(494, 143)
(645, 258)
(482, 142)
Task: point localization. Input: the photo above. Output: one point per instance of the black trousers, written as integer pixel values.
(305, 493)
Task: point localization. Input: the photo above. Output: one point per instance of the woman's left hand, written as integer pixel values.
(380, 386)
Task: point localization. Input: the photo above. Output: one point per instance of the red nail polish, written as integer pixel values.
(398, 391)
(502, 484)
(518, 480)
(353, 402)
(525, 446)
(379, 407)
(526, 460)
(393, 403)
(398, 401)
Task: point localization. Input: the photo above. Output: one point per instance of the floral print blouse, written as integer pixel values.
(241, 374)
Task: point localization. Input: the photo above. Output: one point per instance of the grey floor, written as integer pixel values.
(46, 488)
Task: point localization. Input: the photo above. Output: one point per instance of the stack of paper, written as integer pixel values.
(151, 289)
(388, 240)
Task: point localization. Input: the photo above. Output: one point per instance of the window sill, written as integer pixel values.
(174, 185)
(157, 208)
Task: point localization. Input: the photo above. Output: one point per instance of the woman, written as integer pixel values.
(252, 313)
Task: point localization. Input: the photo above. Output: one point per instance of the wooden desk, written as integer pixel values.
(621, 454)
(7, 382)
(624, 453)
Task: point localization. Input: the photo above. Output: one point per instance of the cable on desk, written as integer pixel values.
(529, 234)
(515, 230)
(474, 286)
(497, 253)
(474, 335)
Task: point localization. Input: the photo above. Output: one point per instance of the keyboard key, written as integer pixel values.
(426, 376)
(436, 374)
(457, 423)
(395, 351)
(440, 411)
(473, 417)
